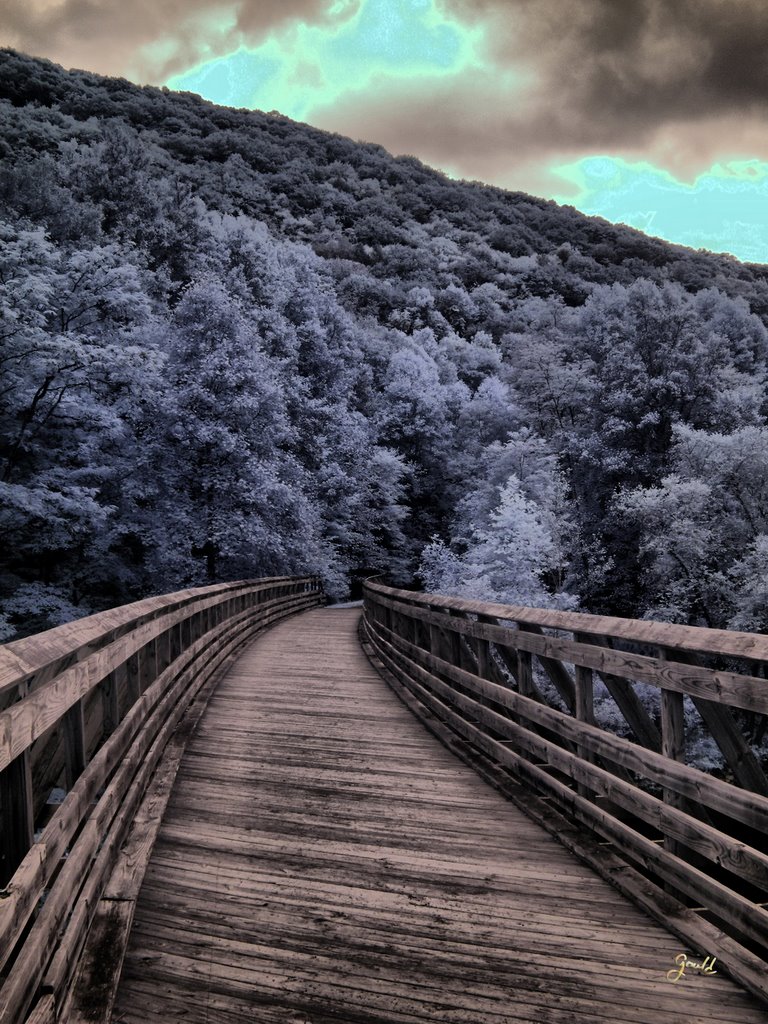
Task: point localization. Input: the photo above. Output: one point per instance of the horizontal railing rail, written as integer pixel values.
(87, 712)
(512, 689)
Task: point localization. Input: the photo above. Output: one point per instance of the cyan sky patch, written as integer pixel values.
(309, 66)
(495, 90)
(725, 209)
(233, 81)
(360, 51)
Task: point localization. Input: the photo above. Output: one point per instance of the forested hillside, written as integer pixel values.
(235, 346)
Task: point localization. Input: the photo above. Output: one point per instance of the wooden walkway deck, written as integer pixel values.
(324, 859)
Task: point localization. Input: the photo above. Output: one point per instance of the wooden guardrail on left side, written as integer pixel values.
(511, 690)
(89, 711)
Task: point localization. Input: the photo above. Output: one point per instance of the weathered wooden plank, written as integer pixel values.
(708, 841)
(742, 691)
(699, 787)
(34, 656)
(753, 646)
(98, 974)
(454, 984)
(114, 810)
(44, 1011)
(332, 903)
(749, 919)
(176, 890)
(689, 926)
(39, 865)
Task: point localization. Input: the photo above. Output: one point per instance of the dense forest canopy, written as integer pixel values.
(233, 346)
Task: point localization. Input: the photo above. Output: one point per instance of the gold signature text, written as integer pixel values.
(705, 966)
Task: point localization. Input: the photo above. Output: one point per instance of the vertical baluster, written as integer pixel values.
(435, 641)
(75, 755)
(175, 641)
(672, 741)
(198, 625)
(420, 634)
(133, 677)
(148, 664)
(110, 705)
(163, 652)
(398, 622)
(483, 655)
(525, 674)
(453, 647)
(584, 712)
(18, 812)
(185, 634)
(446, 645)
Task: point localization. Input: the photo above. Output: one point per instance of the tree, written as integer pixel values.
(700, 531)
(70, 355)
(509, 558)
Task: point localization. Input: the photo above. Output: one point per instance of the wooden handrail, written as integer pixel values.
(494, 680)
(89, 709)
(753, 646)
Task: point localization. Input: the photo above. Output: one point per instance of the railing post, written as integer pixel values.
(18, 811)
(421, 636)
(110, 710)
(185, 634)
(672, 741)
(133, 678)
(198, 625)
(148, 664)
(163, 651)
(75, 757)
(454, 652)
(525, 674)
(483, 656)
(441, 644)
(175, 641)
(584, 712)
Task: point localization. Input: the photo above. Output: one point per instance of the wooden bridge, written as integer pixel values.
(202, 823)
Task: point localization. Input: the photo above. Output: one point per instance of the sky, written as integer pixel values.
(646, 112)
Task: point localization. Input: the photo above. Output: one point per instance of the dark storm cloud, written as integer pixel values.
(108, 35)
(631, 64)
(684, 82)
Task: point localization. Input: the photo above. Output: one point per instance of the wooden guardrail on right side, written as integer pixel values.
(98, 710)
(511, 690)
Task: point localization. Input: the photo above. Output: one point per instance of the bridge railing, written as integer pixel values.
(87, 711)
(511, 689)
